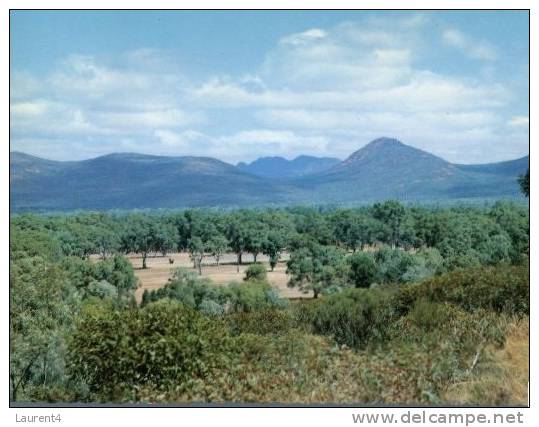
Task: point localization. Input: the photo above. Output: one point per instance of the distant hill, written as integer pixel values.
(384, 168)
(127, 181)
(387, 168)
(279, 167)
(508, 168)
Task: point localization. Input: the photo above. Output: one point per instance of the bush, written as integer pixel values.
(251, 296)
(256, 272)
(161, 346)
(188, 288)
(102, 289)
(203, 295)
(353, 317)
(503, 288)
(392, 264)
(261, 322)
(426, 263)
(362, 269)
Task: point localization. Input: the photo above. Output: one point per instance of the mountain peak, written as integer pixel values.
(384, 141)
(389, 153)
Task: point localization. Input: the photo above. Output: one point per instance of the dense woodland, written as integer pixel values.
(410, 304)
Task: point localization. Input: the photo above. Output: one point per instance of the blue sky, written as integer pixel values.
(240, 85)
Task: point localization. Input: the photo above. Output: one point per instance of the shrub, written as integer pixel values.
(250, 296)
(163, 345)
(188, 288)
(261, 322)
(255, 272)
(362, 269)
(427, 262)
(502, 288)
(203, 295)
(392, 264)
(102, 289)
(353, 317)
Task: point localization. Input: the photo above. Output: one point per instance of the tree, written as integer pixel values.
(217, 246)
(317, 268)
(272, 246)
(237, 237)
(392, 264)
(514, 220)
(524, 182)
(42, 309)
(117, 271)
(105, 238)
(392, 214)
(426, 263)
(255, 233)
(362, 269)
(166, 238)
(197, 251)
(139, 236)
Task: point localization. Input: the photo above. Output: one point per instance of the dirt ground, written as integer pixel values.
(159, 268)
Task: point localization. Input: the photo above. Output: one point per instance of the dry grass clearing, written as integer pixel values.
(503, 380)
(159, 268)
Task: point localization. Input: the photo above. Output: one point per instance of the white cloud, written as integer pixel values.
(477, 49)
(181, 140)
(322, 92)
(304, 37)
(519, 121)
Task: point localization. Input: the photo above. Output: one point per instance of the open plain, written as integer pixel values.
(159, 271)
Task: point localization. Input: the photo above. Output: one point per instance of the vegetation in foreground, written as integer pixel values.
(435, 313)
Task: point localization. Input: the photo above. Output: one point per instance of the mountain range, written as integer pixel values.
(279, 167)
(384, 168)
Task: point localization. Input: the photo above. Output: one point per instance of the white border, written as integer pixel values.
(235, 416)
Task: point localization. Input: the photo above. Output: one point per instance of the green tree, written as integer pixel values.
(392, 264)
(105, 238)
(524, 182)
(318, 268)
(42, 309)
(237, 233)
(197, 252)
(273, 245)
(392, 214)
(139, 236)
(362, 269)
(255, 273)
(217, 246)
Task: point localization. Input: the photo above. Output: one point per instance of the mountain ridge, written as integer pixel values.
(384, 168)
(279, 167)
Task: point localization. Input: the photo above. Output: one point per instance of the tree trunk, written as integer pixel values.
(315, 294)
(238, 262)
(200, 267)
(255, 256)
(144, 255)
(14, 387)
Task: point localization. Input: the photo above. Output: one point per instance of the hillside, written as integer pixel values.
(127, 181)
(279, 167)
(384, 168)
(387, 168)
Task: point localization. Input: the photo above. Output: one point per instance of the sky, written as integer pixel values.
(238, 85)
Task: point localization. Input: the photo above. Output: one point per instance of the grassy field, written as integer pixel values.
(159, 268)
(503, 377)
